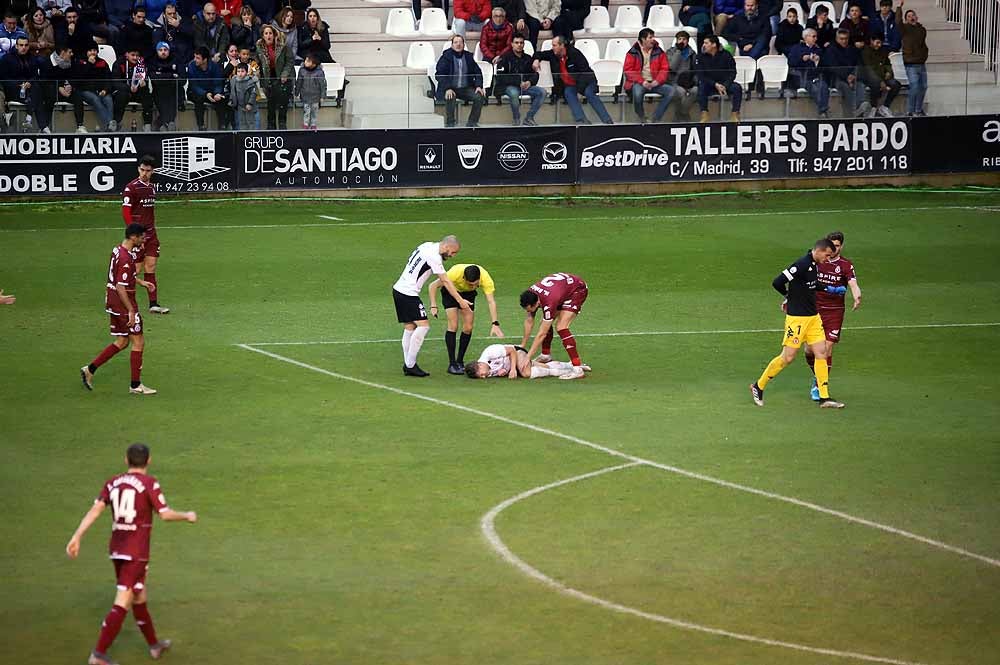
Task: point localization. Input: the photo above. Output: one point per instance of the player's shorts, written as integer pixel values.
(120, 327)
(803, 329)
(408, 308)
(131, 574)
(575, 301)
(150, 247)
(450, 303)
(833, 322)
(523, 362)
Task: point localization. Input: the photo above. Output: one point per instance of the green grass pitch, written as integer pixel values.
(341, 522)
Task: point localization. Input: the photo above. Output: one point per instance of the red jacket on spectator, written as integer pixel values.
(493, 42)
(659, 66)
(232, 5)
(465, 9)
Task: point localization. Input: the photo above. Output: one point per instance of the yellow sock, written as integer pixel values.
(772, 370)
(822, 378)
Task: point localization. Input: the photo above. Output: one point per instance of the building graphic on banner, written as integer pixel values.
(189, 158)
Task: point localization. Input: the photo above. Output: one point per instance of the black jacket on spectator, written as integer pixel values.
(93, 77)
(79, 41)
(51, 76)
(297, 5)
(309, 45)
(244, 36)
(788, 36)
(824, 35)
(180, 38)
(91, 12)
(139, 37)
(514, 8)
(744, 30)
(513, 70)
(839, 62)
(446, 76)
(169, 69)
(718, 68)
(15, 70)
(576, 65)
(217, 43)
(576, 11)
(262, 9)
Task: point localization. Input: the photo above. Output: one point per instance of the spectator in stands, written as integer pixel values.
(92, 15)
(516, 13)
(41, 36)
(572, 14)
(210, 32)
(205, 86)
(646, 71)
(72, 32)
(177, 31)
(789, 32)
(243, 98)
(470, 15)
(540, 15)
(229, 63)
(55, 86)
(716, 72)
(131, 84)
(515, 77)
(696, 14)
(19, 74)
(772, 10)
(876, 71)
(276, 64)
(137, 35)
(310, 88)
(496, 36)
(55, 10)
(884, 23)
(826, 32)
(314, 37)
(418, 8)
(857, 26)
(166, 74)
(840, 63)
(681, 58)
(245, 28)
(573, 75)
(459, 77)
(262, 9)
(914, 39)
(288, 33)
(804, 71)
(118, 14)
(10, 32)
(750, 30)
(228, 10)
(93, 79)
(723, 12)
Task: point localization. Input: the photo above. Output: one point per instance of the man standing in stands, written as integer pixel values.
(914, 37)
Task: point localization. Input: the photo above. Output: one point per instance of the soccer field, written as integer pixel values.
(647, 514)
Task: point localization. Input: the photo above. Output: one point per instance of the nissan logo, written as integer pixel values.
(513, 156)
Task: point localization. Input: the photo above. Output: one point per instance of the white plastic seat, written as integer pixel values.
(898, 68)
(547, 45)
(545, 81)
(609, 75)
(400, 23)
(628, 19)
(478, 53)
(823, 3)
(617, 48)
(661, 17)
(528, 48)
(792, 5)
(746, 70)
(487, 69)
(107, 53)
(589, 48)
(773, 69)
(433, 22)
(335, 77)
(421, 55)
(723, 42)
(598, 22)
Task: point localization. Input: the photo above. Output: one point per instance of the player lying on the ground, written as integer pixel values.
(508, 360)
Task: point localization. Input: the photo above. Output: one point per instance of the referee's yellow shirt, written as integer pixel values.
(456, 274)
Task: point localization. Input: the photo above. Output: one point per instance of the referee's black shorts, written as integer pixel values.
(450, 303)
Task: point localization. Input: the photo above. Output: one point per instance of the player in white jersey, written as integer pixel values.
(426, 260)
(511, 361)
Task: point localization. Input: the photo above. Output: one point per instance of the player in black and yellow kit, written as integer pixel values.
(798, 284)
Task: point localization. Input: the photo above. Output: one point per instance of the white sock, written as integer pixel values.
(540, 372)
(416, 341)
(407, 334)
(558, 365)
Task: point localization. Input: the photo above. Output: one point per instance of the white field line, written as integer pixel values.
(615, 218)
(395, 340)
(488, 527)
(632, 458)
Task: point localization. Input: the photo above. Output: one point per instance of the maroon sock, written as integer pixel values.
(109, 629)
(547, 343)
(570, 343)
(145, 622)
(154, 295)
(104, 356)
(136, 365)
(811, 361)
(829, 362)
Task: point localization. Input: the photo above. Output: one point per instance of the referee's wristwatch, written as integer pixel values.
(496, 323)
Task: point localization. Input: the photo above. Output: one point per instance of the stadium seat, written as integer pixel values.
(589, 49)
(898, 68)
(545, 81)
(598, 22)
(723, 42)
(628, 20)
(547, 45)
(335, 77)
(487, 70)
(477, 55)
(382, 2)
(400, 23)
(661, 18)
(746, 70)
(617, 48)
(420, 56)
(107, 53)
(528, 48)
(774, 71)
(609, 75)
(792, 5)
(829, 5)
(433, 22)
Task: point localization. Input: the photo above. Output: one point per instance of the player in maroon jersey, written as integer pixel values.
(119, 302)
(836, 271)
(134, 496)
(560, 296)
(138, 202)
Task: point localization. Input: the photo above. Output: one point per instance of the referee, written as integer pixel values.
(798, 283)
(467, 278)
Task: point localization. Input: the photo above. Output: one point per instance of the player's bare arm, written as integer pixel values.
(512, 354)
(447, 283)
(149, 286)
(432, 295)
(73, 547)
(495, 330)
(6, 300)
(170, 515)
(855, 293)
(543, 330)
(529, 323)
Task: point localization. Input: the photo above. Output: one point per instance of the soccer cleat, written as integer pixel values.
(141, 390)
(415, 371)
(87, 376)
(830, 403)
(158, 309)
(585, 368)
(757, 394)
(99, 659)
(814, 392)
(456, 368)
(157, 649)
(544, 358)
(575, 373)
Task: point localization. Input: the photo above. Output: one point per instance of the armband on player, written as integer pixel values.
(836, 290)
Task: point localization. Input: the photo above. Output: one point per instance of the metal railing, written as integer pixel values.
(979, 22)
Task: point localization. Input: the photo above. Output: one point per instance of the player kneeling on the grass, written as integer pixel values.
(798, 283)
(119, 302)
(560, 297)
(508, 360)
(466, 278)
(134, 497)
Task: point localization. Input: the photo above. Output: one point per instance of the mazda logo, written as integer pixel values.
(554, 152)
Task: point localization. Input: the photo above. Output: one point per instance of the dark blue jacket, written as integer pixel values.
(838, 62)
(201, 82)
(734, 7)
(15, 70)
(892, 38)
(446, 77)
(806, 69)
(718, 68)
